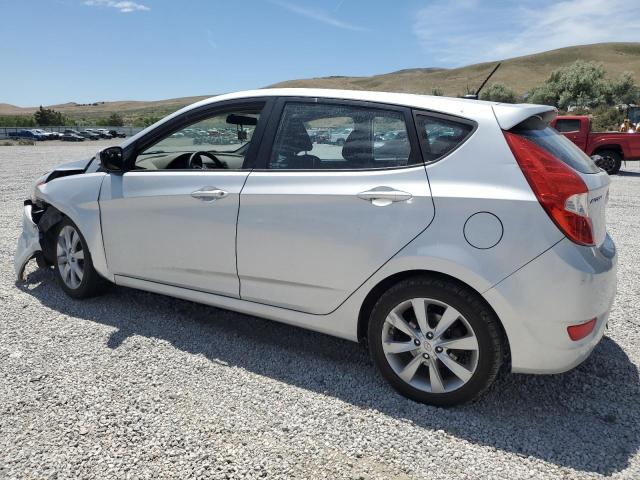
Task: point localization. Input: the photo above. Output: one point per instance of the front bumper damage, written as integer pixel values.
(28, 243)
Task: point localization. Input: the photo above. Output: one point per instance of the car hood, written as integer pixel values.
(70, 168)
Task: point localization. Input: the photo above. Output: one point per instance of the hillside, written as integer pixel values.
(520, 73)
(127, 108)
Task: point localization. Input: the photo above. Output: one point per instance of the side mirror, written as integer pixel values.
(112, 159)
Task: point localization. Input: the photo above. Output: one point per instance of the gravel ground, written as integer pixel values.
(136, 385)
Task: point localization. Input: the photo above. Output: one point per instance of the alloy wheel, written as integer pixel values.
(70, 257)
(430, 345)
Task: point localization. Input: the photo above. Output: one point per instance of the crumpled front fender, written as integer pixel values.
(28, 243)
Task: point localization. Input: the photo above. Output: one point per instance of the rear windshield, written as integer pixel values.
(557, 145)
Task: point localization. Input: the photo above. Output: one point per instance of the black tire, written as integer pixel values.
(617, 160)
(470, 305)
(91, 283)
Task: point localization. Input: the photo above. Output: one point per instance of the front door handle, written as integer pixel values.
(382, 196)
(209, 194)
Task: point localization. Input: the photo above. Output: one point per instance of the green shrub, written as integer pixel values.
(499, 92)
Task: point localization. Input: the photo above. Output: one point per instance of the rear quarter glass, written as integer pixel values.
(556, 144)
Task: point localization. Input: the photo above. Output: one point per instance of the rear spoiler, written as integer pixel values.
(510, 115)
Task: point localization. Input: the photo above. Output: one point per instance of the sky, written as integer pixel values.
(56, 51)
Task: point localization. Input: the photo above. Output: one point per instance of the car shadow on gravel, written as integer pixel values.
(587, 419)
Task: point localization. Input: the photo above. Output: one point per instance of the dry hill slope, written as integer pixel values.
(520, 73)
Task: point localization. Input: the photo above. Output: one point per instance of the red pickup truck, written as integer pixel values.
(614, 147)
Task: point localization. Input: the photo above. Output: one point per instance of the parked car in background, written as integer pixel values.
(99, 132)
(614, 147)
(339, 136)
(27, 135)
(47, 135)
(93, 131)
(103, 132)
(117, 134)
(452, 254)
(88, 134)
(69, 136)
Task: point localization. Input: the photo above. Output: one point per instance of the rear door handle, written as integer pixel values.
(382, 196)
(209, 194)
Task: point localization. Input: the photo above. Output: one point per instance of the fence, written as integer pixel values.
(4, 131)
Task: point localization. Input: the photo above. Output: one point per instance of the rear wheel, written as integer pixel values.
(612, 162)
(73, 265)
(435, 341)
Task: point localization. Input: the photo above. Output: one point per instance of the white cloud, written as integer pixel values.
(458, 32)
(318, 15)
(123, 6)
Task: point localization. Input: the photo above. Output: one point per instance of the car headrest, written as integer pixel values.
(296, 138)
(358, 147)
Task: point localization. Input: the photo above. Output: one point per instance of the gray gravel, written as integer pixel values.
(136, 385)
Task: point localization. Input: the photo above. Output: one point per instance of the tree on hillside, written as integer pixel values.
(623, 90)
(499, 92)
(583, 85)
(113, 120)
(17, 121)
(145, 121)
(47, 116)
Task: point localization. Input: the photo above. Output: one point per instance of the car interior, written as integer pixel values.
(440, 136)
(294, 148)
(220, 142)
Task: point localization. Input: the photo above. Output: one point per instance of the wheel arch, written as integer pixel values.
(76, 197)
(614, 147)
(383, 285)
(47, 221)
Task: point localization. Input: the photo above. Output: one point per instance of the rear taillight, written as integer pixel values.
(578, 332)
(559, 189)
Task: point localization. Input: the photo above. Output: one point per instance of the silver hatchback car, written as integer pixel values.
(472, 238)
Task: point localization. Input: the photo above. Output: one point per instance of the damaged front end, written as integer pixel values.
(28, 243)
(38, 219)
(34, 242)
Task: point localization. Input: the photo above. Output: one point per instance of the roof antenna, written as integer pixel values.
(474, 96)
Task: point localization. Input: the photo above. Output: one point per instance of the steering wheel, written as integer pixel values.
(195, 160)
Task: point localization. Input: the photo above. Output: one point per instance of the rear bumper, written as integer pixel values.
(28, 243)
(567, 285)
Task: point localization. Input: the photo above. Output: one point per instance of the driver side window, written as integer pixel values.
(220, 141)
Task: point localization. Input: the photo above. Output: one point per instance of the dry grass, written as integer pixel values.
(521, 73)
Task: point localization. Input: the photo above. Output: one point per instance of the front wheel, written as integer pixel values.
(435, 341)
(73, 266)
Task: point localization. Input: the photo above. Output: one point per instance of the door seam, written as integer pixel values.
(236, 239)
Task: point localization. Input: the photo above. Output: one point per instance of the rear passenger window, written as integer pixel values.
(439, 136)
(327, 136)
(568, 125)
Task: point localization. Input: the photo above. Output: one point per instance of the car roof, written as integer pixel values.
(395, 98)
(507, 115)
